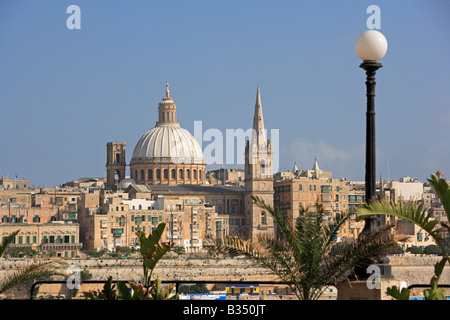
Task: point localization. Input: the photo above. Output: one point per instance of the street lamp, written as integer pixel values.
(371, 46)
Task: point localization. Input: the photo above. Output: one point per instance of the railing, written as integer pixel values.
(176, 282)
(181, 282)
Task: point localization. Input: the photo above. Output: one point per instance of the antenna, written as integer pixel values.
(388, 172)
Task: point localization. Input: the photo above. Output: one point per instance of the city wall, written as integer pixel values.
(412, 269)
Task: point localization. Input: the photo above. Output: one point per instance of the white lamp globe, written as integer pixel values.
(371, 46)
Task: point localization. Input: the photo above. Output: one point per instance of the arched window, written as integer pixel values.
(140, 207)
(173, 174)
(142, 175)
(163, 116)
(194, 174)
(117, 158)
(263, 218)
(150, 174)
(158, 174)
(135, 174)
(166, 174)
(180, 174)
(188, 174)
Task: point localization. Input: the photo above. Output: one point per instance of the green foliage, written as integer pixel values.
(97, 254)
(436, 293)
(396, 250)
(432, 249)
(195, 288)
(108, 293)
(30, 272)
(7, 241)
(415, 250)
(151, 250)
(419, 216)
(158, 292)
(302, 256)
(179, 250)
(397, 294)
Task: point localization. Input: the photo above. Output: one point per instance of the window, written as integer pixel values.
(299, 187)
(66, 239)
(142, 175)
(194, 173)
(263, 218)
(150, 174)
(158, 174)
(180, 174)
(173, 174)
(166, 174)
(188, 174)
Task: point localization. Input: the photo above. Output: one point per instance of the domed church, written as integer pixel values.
(168, 161)
(166, 154)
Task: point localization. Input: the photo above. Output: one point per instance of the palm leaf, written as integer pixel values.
(7, 241)
(30, 272)
(443, 191)
(411, 212)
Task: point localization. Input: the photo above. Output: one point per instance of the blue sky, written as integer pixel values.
(65, 93)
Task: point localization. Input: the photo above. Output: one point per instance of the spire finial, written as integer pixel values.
(258, 97)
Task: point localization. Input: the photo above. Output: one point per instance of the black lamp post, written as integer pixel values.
(371, 46)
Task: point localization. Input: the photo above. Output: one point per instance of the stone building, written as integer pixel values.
(190, 221)
(14, 184)
(306, 188)
(62, 239)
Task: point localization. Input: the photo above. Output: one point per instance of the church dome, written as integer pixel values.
(168, 143)
(167, 153)
(124, 183)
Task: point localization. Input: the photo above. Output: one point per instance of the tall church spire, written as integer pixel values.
(259, 133)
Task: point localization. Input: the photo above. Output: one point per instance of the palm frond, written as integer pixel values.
(367, 248)
(33, 271)
(7, 241)
(411, 212)
(443, 191)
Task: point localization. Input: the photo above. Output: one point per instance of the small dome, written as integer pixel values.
(125, 183)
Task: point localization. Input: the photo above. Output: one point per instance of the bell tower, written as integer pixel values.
(258, 176)
(115, 163)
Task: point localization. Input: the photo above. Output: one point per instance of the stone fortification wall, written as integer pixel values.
(412, 269)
